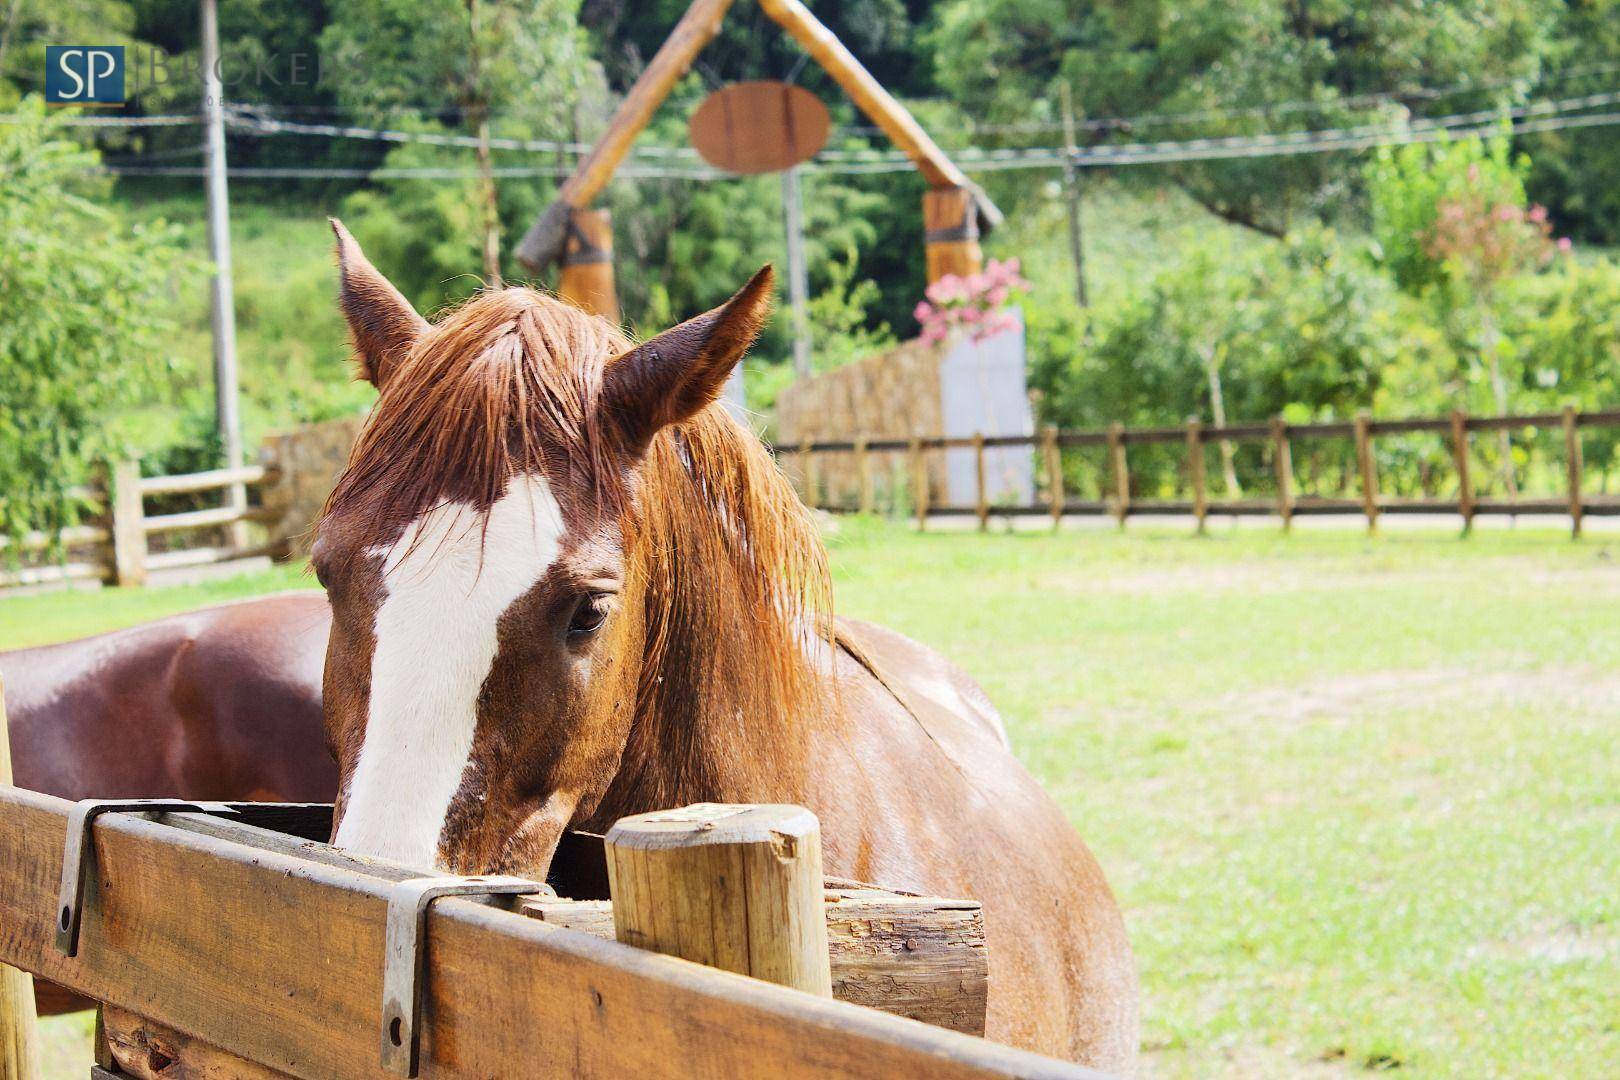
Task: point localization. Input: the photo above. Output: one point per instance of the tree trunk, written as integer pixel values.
(1217, 410)
(479, 111)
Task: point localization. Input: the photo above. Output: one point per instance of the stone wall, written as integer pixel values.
(307, 460)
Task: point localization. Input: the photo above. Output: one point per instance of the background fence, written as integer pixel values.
(1457, 464)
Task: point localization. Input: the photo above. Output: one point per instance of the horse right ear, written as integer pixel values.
(669, 378)
(381, 321)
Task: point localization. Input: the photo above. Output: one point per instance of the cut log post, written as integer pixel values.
(1122, 472)
(19, 1034)
(1195, 472)
(1054, 473)
(587, 263)
(919, 482)
(1572, 465)
(863, 468)
(1369, 470)
(951, 232)
(128, 525)
(732, 886)
(1459, 458)
(1282, 460)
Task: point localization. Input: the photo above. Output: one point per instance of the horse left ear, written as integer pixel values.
(669, 378)
(381, 321)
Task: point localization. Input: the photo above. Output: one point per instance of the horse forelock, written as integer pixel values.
(733, 569)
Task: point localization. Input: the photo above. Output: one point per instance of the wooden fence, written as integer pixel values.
(119, 544)
(220, 947)
(911, 492)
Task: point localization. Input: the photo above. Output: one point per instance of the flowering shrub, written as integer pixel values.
(975, 304)
(1483, 240)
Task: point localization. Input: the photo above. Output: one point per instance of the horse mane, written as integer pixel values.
(738, 593)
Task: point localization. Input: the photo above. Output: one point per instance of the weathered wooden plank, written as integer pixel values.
(19, 1028)
(279, 960)
(149, 1051)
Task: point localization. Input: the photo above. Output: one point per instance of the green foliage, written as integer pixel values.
(1409, 187)
(85, 321)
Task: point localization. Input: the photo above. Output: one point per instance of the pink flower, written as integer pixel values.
(923, 311)
(971, 314)
(1565, 243)
(1504, 212)
(1538, 214)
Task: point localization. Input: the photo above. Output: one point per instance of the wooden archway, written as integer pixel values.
(955, 212)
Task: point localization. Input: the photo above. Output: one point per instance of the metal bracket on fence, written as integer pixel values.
(78, 855)
(405, 945)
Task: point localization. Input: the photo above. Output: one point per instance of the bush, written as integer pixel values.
(85, 321)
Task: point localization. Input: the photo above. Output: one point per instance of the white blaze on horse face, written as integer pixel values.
(446, 583)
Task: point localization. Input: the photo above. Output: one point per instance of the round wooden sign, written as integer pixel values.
(759, 127)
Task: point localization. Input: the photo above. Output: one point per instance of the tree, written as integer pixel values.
(84, 321)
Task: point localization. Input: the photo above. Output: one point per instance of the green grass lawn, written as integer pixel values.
(1359, 798)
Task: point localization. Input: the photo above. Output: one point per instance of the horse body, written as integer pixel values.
(219, 703)
(910, 774)
(566, 586)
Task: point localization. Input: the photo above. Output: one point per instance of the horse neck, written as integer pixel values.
(732, 692)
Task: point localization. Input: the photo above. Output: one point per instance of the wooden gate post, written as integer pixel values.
(1283, 463)
(863, 470)
(1459, 458)
(919, 482)
(1054, 473)
(1572, 465)
(19, 1034)
(1369, 470)
(128, 525)
(1195, 472)
(951, 232)
(731, 886)
(587, 263)
(1122, 472)
(981, 500)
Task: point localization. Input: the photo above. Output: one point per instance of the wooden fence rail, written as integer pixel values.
(245, 952)
(1278, 438)
(116, 548)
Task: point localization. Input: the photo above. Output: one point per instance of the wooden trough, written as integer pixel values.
(234, 944)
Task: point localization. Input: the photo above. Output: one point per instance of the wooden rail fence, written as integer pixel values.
(1277, 437)
(116, 546)
(222, 948)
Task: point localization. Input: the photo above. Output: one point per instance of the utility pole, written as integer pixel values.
(798, 276)
(227, 414)
(1071, 194)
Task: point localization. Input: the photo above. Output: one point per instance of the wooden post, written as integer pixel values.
(1572, 463)
(1122, 472)
(128, 525)
(863, 468)
(981, 501)
(1195, 472)
(809, 456)
(1054, 473)
(587, 263)
(1283, 463)
(19, 1035)
(919, 482)
(733, 887)
(951, 232)
(1369, 470)
(1459, 457)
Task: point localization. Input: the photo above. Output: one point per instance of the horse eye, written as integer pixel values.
(589, 616)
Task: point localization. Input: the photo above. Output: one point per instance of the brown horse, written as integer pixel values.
(221, 703)
(567, 587)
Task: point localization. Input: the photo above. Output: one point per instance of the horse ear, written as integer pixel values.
(667, 379)
(381, 321)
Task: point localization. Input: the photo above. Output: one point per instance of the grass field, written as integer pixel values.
(1360, 799)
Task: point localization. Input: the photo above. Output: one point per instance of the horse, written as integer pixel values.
(223, 703)
(567, 586)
